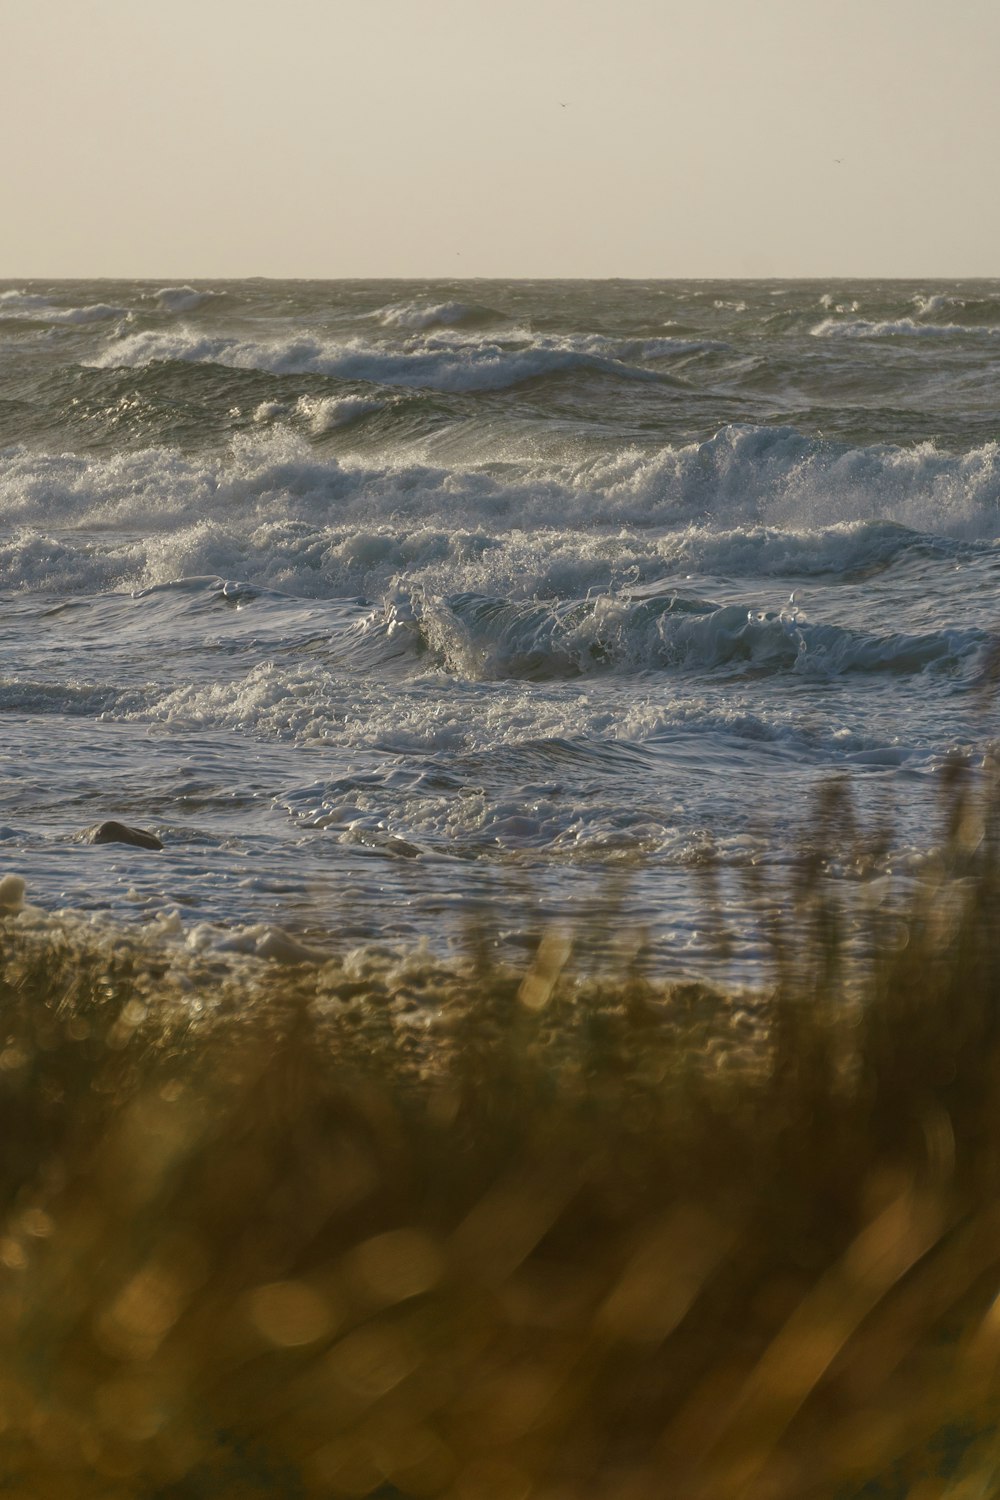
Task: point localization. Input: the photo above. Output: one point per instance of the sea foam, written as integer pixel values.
(421, 315)
(181, 299)
(20, 307)
(431, 363)
(860, 328)
(760, 500)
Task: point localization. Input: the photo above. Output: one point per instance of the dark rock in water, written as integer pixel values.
(120, 833)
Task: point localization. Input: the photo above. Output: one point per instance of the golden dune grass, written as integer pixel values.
(417, 1229)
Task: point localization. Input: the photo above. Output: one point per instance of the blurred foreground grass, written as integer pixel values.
(411, 1229)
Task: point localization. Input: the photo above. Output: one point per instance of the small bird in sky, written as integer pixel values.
(562, 105)
(839, 160)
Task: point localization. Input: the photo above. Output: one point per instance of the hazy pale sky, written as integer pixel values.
(186, 138)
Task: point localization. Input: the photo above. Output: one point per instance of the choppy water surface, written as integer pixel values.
(375, 598)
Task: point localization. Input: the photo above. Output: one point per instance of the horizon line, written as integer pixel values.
(204, 276)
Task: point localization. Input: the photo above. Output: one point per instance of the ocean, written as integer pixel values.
(391, 607)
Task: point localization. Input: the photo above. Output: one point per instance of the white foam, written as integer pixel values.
(891, 328)
(454, 363)
(327, 413)
(363, 560)
(38, 309)
(929, 306)
(767, 501)
(180, 299)
(270, 411)
(485, 638)
(420, 315)
(493, 652)
(318, 414)
(829, 301)
(98, 312)
(34, 560)
(777, 477)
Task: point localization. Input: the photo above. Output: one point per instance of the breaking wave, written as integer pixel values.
(180, 299)
(31, 307)
(487, 638)
(443, 364)
(755, 501)
(319, 414)
(421, 315)
(860, 328)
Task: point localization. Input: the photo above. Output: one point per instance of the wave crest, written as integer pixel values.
(416, 316)
(860, 328)
(426, 363)
(179, 299)
(488, 638)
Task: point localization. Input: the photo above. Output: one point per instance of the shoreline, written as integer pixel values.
(386, 1225)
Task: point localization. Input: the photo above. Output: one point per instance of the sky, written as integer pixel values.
(532, 138)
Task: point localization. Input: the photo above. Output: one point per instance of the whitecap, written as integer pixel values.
(451, 364)
(765, 501)
(890, 328)
(17, 306)
(417, 316)
(328, 413)
(180, 299)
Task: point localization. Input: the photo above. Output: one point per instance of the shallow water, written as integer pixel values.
(375, 599)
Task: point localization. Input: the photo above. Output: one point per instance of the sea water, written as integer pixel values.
(384, 603)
